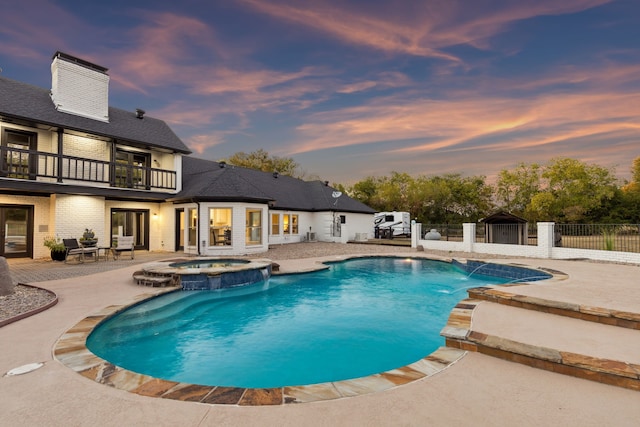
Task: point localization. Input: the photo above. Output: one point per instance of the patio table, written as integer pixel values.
(106, 250)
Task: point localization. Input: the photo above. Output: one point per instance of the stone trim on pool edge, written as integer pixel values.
(459, 334)
(71, 351)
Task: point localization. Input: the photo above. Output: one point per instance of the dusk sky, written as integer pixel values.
(351, 89)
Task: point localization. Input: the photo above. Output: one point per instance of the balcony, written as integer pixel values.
(30, 165)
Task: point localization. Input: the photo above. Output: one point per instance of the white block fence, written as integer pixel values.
(544, 248)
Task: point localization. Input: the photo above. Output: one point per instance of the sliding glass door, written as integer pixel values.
(131, 222)
(16, 233)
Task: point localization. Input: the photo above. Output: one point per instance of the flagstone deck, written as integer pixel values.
(477, 390)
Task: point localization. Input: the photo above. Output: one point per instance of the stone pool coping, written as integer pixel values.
(167, 267)
(72, 352)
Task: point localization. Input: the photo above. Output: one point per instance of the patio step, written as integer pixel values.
(501, 295)
(144, 278)
(598, 352)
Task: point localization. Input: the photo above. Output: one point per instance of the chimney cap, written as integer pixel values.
(79, 61)
(276, 174)
(140, 113)
(222, 164)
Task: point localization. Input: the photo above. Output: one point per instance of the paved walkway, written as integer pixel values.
(478, 390)
(25, 270)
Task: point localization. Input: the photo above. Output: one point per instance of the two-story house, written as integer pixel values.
(69, 161)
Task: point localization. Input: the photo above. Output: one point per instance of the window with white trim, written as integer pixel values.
(193, 227)
(275, 224)
(220, 226)
(254, 227)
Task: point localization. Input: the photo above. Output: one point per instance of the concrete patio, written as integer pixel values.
(478, 390)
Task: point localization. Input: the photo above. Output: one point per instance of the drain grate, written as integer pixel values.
(24, 369)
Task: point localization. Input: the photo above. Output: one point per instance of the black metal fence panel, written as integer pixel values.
(607, 237)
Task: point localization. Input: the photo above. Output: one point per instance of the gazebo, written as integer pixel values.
(506, 228)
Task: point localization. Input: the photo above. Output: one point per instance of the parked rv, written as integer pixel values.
(387, 225)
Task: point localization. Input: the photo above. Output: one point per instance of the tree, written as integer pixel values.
(515, 188)
(572, 189)
(635, 171)
(629, 206)
(365, 191)
(439, 199)
(261, 160)
(393, 192)
(469, 198)
(634, 185)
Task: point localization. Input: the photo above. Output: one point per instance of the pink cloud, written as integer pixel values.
(174, 51)
(456, 124)
(353, 27)
(201, 143)
(165, 49)
(424, 29)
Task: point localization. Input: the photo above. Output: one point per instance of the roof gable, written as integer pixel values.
(503, 217)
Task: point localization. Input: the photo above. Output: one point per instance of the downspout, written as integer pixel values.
(60, 149)
(198, 229)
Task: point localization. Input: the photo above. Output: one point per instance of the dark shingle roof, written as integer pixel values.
(204, 180)
(26, 102)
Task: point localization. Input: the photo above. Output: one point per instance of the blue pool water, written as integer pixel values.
(358, 318)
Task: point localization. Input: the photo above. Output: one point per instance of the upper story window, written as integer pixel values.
(132, 169)
(17, 162)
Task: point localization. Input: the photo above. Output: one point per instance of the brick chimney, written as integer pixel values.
(79, 87)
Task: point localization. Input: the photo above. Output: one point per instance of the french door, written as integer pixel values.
(131, 222)
(16, 232)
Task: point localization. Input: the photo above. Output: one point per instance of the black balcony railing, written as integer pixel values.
(30, 164)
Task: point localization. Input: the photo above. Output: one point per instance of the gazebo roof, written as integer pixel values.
(503, 217)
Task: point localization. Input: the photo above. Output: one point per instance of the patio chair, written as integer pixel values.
(123, 244)
(74, 249)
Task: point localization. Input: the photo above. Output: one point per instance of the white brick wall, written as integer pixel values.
(72, 214)
(305, 220)
(79, 146)
(321, 223)
(357, 223)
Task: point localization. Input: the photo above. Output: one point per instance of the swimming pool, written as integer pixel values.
(360, 317)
